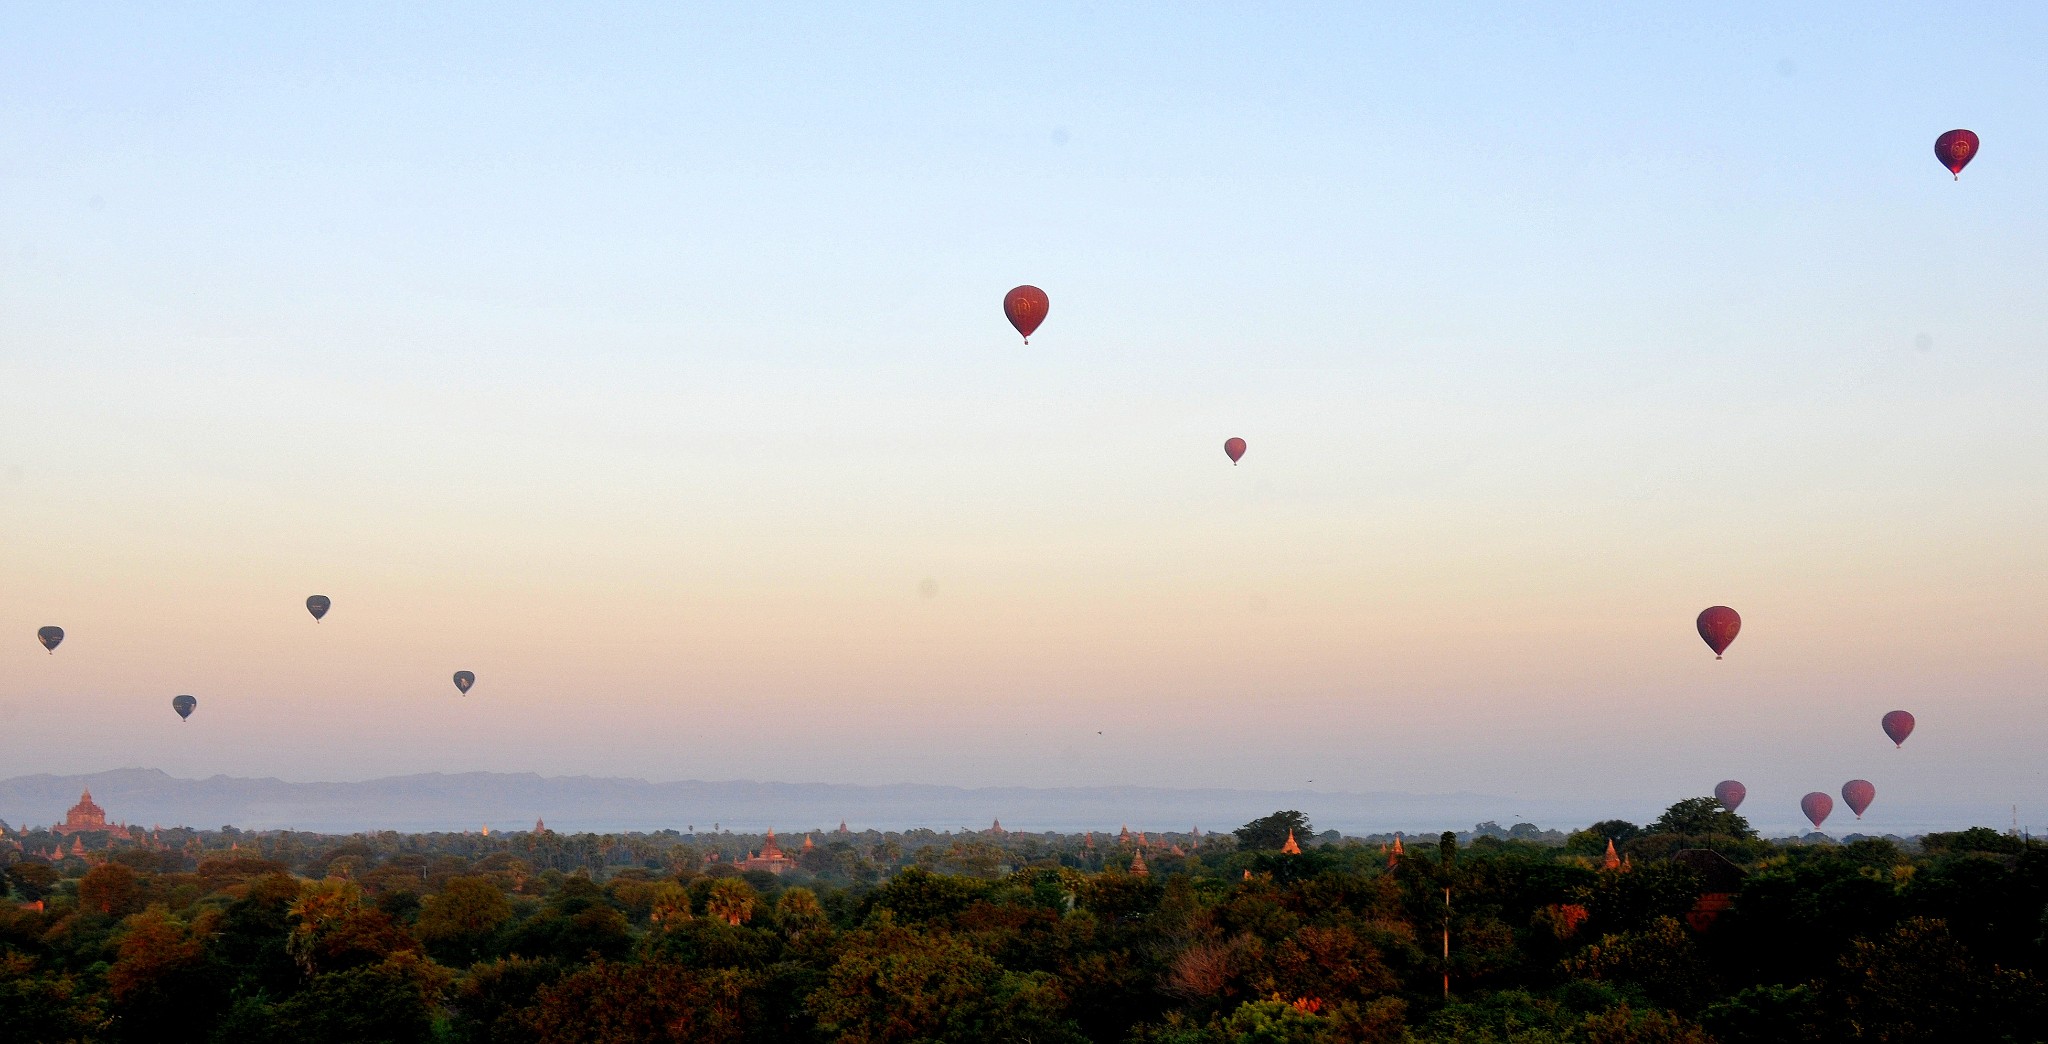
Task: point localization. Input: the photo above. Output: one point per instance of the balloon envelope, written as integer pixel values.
(1955, 150)
(183, 705)
(318, 606)
(1718, 627)
(463, 680)
(1817, 806)
(1898, 725)
(1234, 448)
(1858, 793)
(1730, 794)
(51, 637)
(1025, 307)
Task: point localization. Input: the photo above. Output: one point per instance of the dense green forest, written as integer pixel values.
(1702, 932)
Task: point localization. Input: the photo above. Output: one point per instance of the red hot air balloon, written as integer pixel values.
(1730, 794)
(1234, 449)
(1718, 626)
(1817, 806)
(1955, 150)
(1898, 725)
(1858, 793)
(1026, 307)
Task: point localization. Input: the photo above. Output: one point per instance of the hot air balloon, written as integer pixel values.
(1718, 626)
(1817, 806)
(1955, 150)
(318, 606)
(1730, 794)
(1858, 794)
(183, 705)
(1234, 449)
(51, 637)
(463, 680)
(1026, 307)
(1898, 725)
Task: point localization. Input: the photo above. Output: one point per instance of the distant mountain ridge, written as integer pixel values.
(512, 801)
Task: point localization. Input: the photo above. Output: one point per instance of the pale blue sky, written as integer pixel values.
(551, 341)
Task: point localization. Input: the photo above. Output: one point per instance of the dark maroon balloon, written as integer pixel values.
(1817, 806)
(1898, 725)
(1955, 150)
(1026, 307)
(1718, 627)
(1234, 448)
(1858, 793)
(1730, 794)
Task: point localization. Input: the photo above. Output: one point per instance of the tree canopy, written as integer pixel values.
(1701, 817)
(930, 937)
(1270, 832)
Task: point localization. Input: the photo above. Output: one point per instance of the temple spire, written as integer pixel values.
(1291, 847)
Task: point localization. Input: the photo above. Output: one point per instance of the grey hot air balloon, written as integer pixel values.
(51, 637)
(183, 705)
(318, 606)
(463, 680)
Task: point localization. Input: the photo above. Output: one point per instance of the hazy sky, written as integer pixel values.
(650, 364)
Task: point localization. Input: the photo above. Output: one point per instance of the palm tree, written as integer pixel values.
(730, 899)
